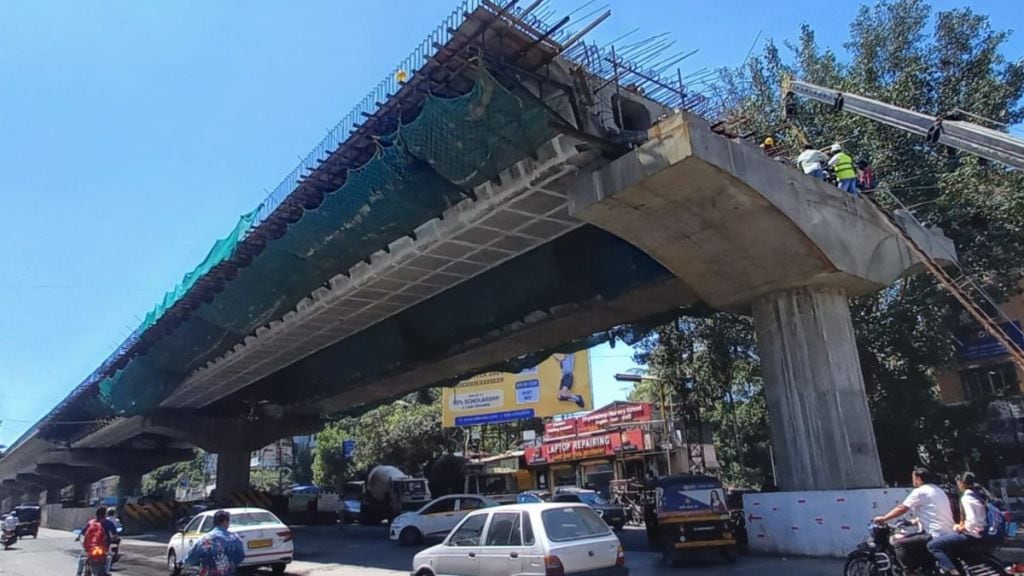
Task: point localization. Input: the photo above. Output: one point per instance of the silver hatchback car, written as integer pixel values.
(526, 540)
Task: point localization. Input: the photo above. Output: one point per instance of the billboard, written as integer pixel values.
(558, 385)
(586, 447)
(614, 414)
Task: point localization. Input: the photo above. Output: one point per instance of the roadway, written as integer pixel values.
(356, 551)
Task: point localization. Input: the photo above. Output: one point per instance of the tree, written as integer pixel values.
(406, 433)
(900, 52)
(711, 371)
(162, 482)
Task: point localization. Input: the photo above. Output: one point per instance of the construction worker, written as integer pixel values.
(812, 162)
(865, 176)
(768, 146)
(842, 164)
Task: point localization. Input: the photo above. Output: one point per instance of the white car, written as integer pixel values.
(436, 519)
(267, 540)
(526, 540)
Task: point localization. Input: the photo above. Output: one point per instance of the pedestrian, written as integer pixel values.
(846, 175)
(968, 531)
(812, 162)
(219, 552)
(865, 176)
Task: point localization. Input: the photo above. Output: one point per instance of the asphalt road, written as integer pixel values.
(359, 551)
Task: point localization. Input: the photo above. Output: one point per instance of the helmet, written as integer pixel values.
(836, 147)
(769, 141)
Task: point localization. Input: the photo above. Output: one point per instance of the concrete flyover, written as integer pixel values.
(747, 234)
(611, 219)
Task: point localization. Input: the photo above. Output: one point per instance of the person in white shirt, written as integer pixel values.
(931, 506)
(812, 162)
(10, 523)
(968, 531)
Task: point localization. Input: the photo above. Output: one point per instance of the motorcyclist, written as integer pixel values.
(968, 531)
(96, 538)
(931, 506)
(115, 538)
(10, 523)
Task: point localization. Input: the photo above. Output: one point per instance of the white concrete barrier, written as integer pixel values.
(826, 523)
(58, 517)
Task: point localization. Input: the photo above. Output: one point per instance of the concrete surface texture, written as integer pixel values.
(361, 551)
(821, 426)
(745, 232)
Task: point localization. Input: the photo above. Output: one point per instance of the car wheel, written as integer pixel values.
(410, 537)
(172, 564)
(278, 569)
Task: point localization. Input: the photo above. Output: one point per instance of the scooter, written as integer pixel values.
(9, 538)
(876, 555)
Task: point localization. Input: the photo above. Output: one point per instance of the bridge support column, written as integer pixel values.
(821, 426)
(232, 472)
(129, 484)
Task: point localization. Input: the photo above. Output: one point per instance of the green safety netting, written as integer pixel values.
(418, 171)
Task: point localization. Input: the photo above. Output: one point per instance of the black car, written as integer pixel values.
(613, 515)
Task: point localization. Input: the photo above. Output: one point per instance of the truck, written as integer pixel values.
(388, 492)
(498, 485)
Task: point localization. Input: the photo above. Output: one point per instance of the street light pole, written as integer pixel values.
(666, 424)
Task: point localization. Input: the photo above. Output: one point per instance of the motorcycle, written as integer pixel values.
(115, 548)
(876, 556)
(9, 538)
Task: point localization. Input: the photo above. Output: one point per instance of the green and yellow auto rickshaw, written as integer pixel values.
(688, 514)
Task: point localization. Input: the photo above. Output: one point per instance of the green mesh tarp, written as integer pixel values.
(420, 170)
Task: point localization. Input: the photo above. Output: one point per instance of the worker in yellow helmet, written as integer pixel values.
(768, 146)
(846, 174)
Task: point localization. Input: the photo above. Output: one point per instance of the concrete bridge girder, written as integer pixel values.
(749, 234)
(211, 433)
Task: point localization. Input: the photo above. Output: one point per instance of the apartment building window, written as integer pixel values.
(989, 381)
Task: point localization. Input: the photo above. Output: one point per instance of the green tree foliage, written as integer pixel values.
(903, 53)
(406, 433)
(710, 371)
(163, 481)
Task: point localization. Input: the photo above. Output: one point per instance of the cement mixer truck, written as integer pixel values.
(388, 492)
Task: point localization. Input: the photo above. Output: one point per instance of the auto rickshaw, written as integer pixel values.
(687, 514)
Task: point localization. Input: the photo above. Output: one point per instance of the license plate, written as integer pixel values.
(260, 544)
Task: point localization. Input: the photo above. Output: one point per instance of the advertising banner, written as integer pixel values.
(596, 446)
(598, 420)
(559, 385)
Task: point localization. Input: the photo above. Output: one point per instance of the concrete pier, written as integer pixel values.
(821, 426)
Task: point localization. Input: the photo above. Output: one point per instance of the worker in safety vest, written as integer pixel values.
(846, 174)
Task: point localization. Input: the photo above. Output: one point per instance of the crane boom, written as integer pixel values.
(984, 142)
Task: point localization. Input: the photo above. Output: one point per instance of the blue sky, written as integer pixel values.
(132, 135)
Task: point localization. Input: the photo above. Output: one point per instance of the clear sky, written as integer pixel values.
(132, 135)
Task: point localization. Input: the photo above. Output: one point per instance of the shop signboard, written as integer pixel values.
(558, 385)
(597, 421)
(585, 448)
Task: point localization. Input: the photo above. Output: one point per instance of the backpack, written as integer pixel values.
(995, 524)
(94, 538)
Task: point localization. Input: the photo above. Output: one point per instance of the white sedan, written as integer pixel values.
(267, 541)
(526, 539)
(436, 519)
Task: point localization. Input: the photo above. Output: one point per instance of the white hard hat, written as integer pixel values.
(836, 147)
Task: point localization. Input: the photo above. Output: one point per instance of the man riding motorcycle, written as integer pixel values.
(931, 506)
(10, 530)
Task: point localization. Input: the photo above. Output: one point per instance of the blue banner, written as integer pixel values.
(348, 448)
(494, 417)
(979, 344)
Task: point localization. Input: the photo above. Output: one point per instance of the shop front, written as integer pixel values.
(593, 451)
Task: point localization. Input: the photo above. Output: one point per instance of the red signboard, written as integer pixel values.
(583, 448)
(598, 420)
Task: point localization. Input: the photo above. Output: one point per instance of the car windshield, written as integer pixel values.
(572, 523)
(592, 499)
(253, 519)
(416, 487)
